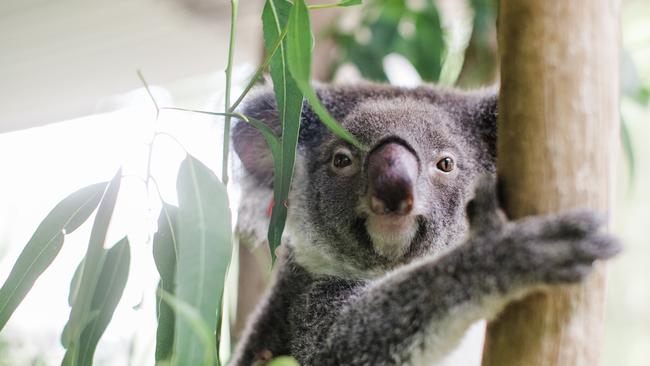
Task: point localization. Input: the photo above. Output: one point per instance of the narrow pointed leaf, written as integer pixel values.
(340, 4)
(299, 48)
(283, 361)
(191, 316)
(80, 314)
(271, 139)
(45, 244)
(289, 101)
(204, 250)
(164, 254)
(106, 296)
(350, 2)
(75, 282)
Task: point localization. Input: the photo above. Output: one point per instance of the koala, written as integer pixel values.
(392, 253)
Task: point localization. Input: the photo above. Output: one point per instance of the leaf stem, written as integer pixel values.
(173, 138)
(226, 127)
(322, 6)
(146, 87)
(260, 70)
(150, 147)
(225, 114)
(340, 4)
(261, 126)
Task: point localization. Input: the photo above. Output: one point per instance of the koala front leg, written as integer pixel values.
(422, 310)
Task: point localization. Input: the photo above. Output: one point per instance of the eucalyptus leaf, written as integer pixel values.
(106, 295)
(45, 244)
(283, 361)
(340, 4)
(299, 48)
(349, 2)
(204, 251)
(81, 312)
(191, 316)
(74, 283)
(289, 101)
(164, 253)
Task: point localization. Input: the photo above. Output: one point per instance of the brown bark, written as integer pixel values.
(557, 145)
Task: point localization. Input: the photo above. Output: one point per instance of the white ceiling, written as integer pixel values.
(58, 58)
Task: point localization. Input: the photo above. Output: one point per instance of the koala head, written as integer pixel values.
(358, 213)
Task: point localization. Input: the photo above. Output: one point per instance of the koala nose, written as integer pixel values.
(392, 173)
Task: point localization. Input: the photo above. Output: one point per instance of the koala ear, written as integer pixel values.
(482, 118)
(486, 118)
(249, 144)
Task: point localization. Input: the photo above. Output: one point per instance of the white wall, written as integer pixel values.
(58, 58)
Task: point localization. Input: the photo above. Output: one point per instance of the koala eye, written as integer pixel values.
(341, 160)
(445, 164)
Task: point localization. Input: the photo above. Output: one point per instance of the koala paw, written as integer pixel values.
(537, 250)
(559, 248)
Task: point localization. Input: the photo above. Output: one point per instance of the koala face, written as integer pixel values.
(359, 213)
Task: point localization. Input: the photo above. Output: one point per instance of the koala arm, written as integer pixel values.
(429, 305)
(268, 334)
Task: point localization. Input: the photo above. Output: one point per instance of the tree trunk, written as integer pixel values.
(557, 145)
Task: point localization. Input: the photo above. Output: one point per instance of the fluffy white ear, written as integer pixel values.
(249, 144)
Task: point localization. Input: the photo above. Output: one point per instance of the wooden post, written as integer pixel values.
(557, 145)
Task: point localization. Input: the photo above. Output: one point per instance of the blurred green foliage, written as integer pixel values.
(389, 26)
(416, 30)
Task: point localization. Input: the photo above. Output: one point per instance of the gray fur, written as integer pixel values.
(335, 299)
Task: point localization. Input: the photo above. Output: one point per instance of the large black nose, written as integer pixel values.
(392, 174)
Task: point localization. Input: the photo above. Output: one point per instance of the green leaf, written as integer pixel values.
(81, 313)
(204, 250)
(106, 296)
(45, 244)
(349, 2)
(299, 49)
(429, 45)
(75, 282)
(289, 103)
(192, 317)
(164, 254)
(340, 4)
(300, 42)
(283, 361)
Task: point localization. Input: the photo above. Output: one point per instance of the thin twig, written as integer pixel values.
(153, 138)
(180, 144)
(323, 6)
(224, 114)
(146, 87)
(226, 127)
(260, 70)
